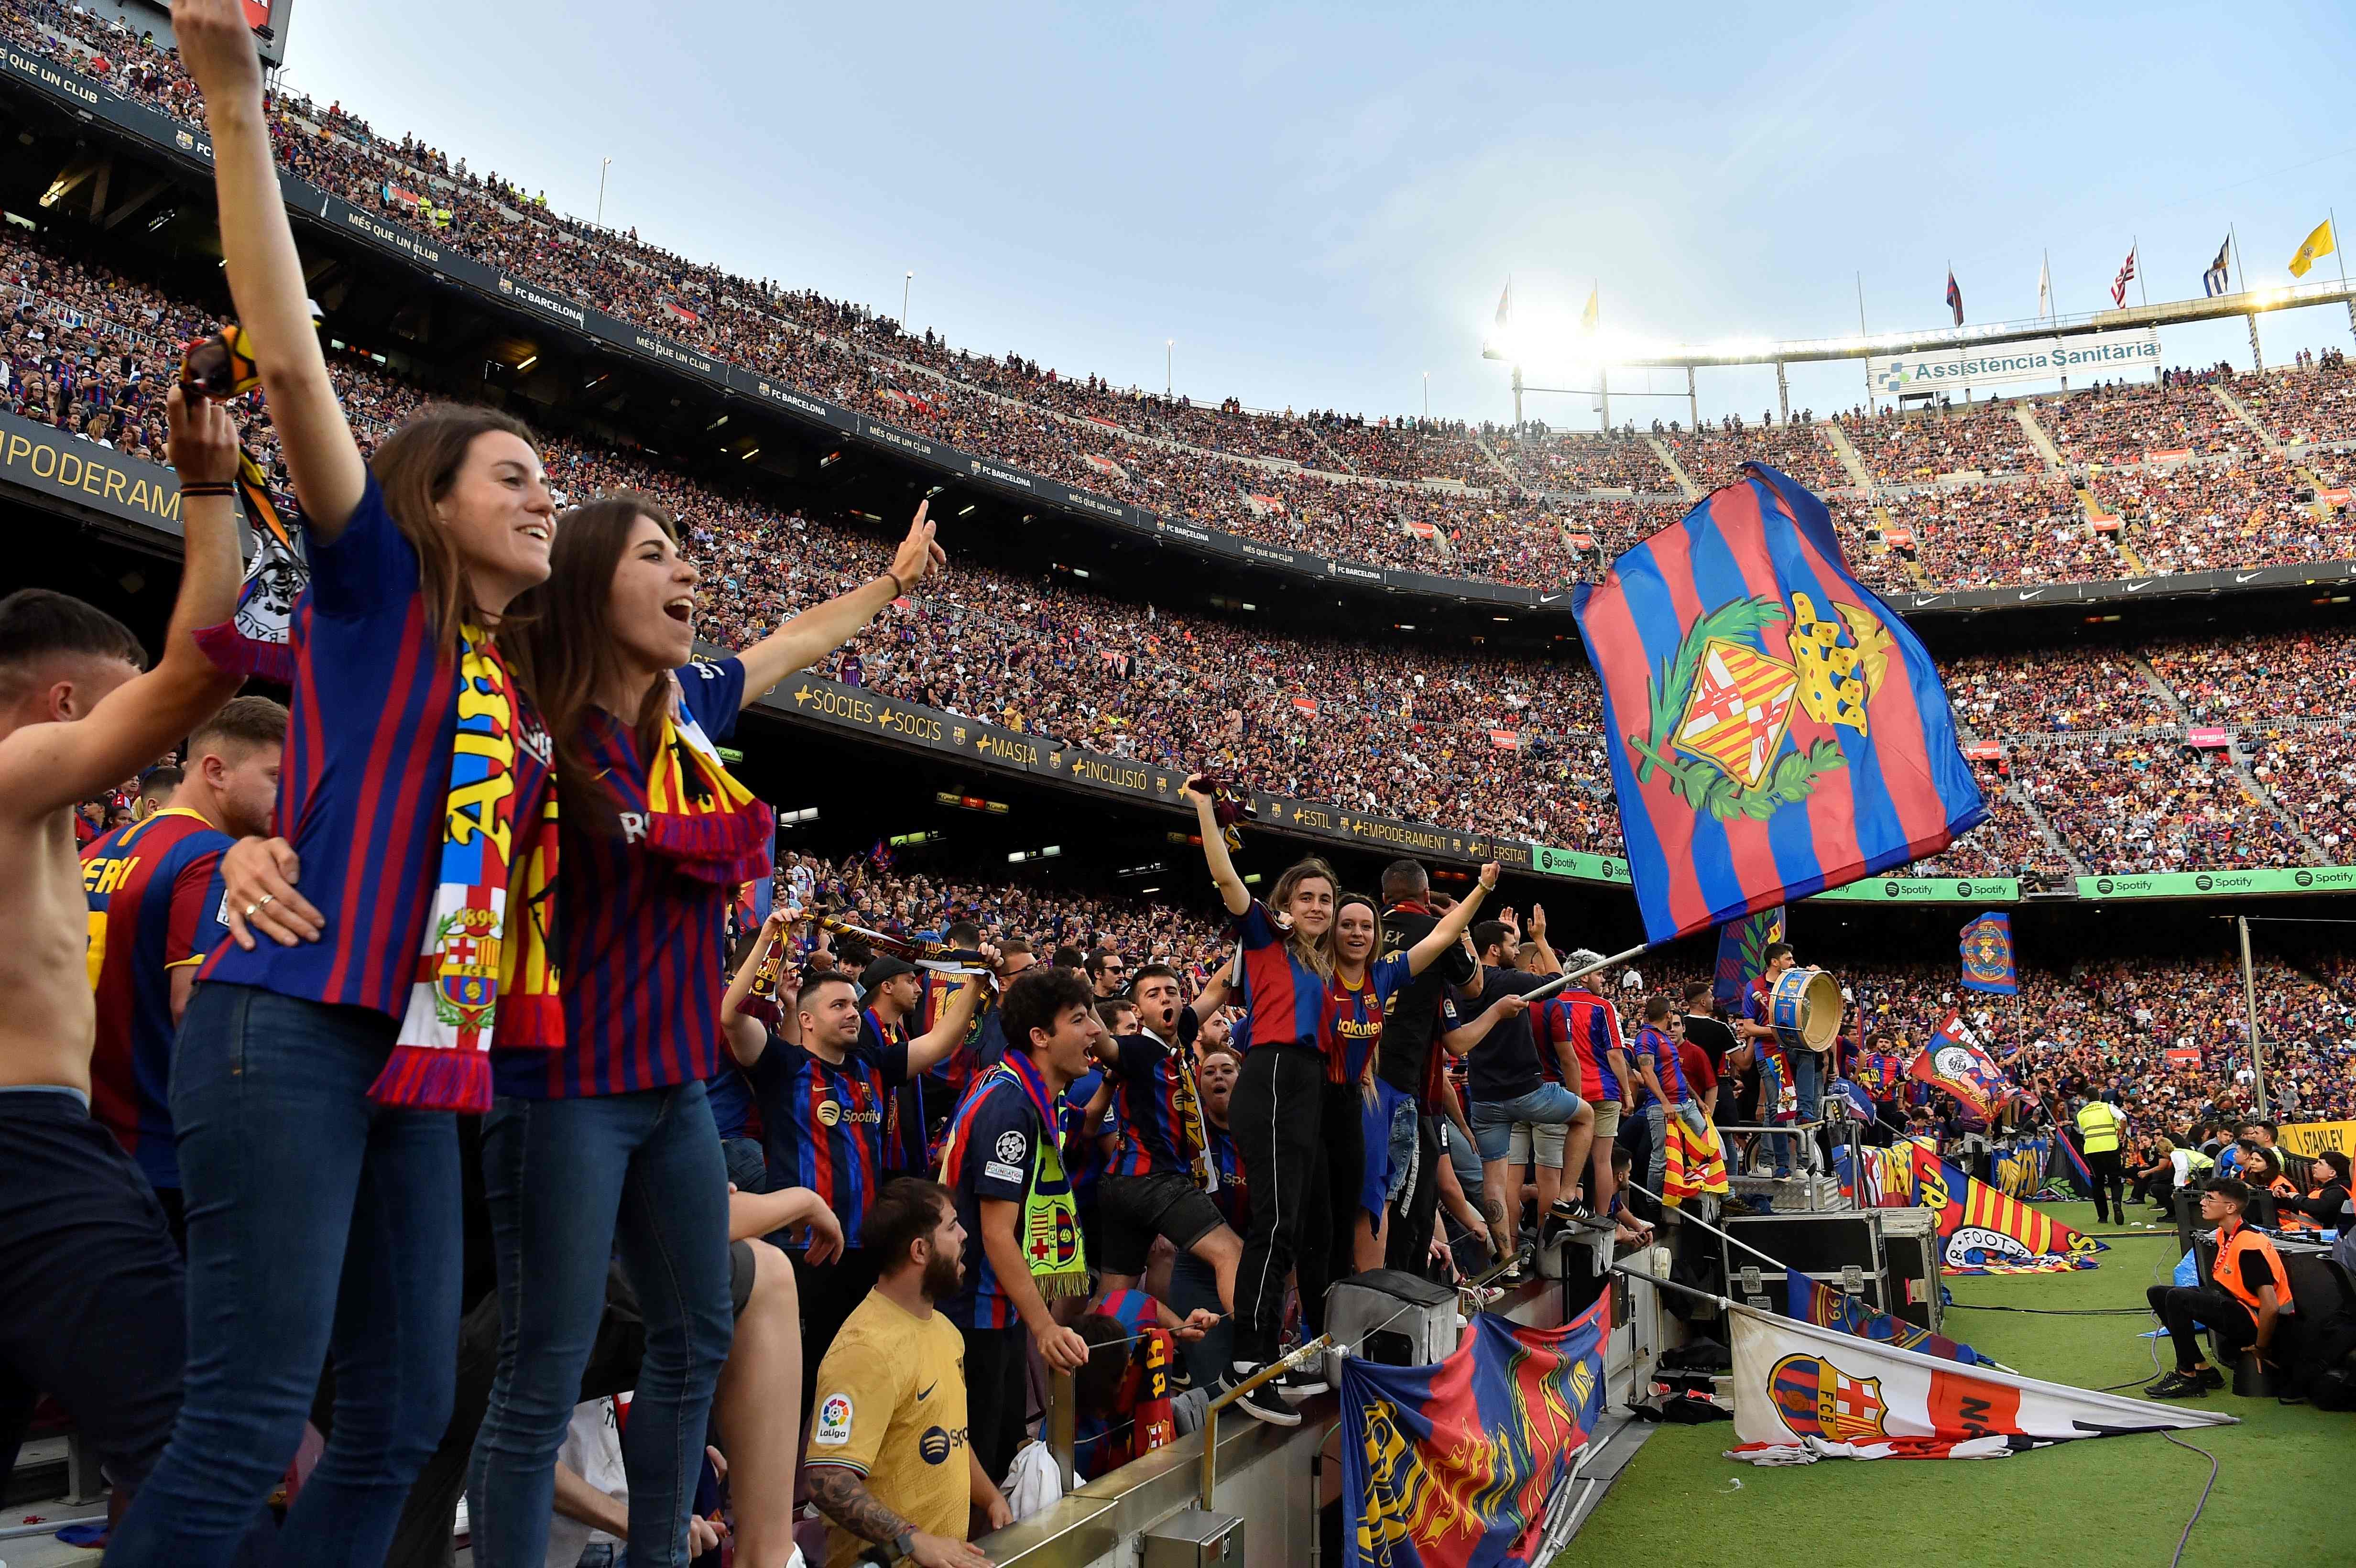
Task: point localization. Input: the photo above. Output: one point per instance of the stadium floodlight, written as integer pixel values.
(795, 818)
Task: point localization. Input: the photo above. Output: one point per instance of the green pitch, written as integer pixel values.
(2091, 1504)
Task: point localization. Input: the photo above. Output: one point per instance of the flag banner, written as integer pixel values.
(1776, 731)
(1988, 956)
(1593, 312)
(1953, 1062)
(1742, 955)
(1814, 1301)
(1697, 1162)
(2217, 279)
(2071, 1167)
(2019, 1171)
(1981, 1231)
(2119, 285)
(1450, 1466)
(2316, 245)
(1803, 1393)
(1860, 1104)
(1955, 297)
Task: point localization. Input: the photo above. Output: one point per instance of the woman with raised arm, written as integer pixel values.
(607, 1147)
(315, 1072)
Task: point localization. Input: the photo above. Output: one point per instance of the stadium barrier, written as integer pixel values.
(97, 104)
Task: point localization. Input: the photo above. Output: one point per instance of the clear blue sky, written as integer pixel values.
(1320, 205)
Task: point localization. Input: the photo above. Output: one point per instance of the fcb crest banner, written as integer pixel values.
(1981, 1231)
(1988, 956)
(1450, 1466)
(1953, 1062)
(1774, 730)
(1803, 1393)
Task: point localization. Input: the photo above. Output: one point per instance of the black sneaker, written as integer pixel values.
(2176, 1385)
(2212, 1378)
(1263, 1404)
(1570, 1208)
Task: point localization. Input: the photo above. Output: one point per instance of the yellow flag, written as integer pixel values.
(2318, 243)
(1595, 297)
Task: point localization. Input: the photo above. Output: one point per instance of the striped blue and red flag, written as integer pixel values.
(1777, 730)
(1986, 950)
(1742, 955)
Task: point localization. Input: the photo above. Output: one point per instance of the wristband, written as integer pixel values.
(897, 591)
(223, 487)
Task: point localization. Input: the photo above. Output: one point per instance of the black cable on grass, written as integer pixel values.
(2054, 1311)
(2185, 1539)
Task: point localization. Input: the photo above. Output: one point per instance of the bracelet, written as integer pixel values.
(219, 489)
(897, 591)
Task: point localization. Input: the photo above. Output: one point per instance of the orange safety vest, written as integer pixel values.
(2291, 1219)
(2231, 1245)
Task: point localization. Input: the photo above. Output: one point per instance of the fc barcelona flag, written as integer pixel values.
(1743, 955)
(1988, 956)
(1814, 1301)
(1775, 729)
(1953, 1062)
(1450, 1466)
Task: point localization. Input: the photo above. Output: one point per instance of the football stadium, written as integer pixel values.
(1827, 927)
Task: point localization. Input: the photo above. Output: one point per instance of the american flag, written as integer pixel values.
(2119, 285)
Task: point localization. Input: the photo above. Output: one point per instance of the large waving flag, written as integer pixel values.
(1449, 1466)
(2315, 245)
(1988, 956)
(1981, 1231)
(1803, 1393)
(1814, 1301)
(1953, 1062)
(1743, 955)
(1775, 729)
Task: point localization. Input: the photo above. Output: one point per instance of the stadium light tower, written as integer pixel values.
(602, 166)
(1168, 354)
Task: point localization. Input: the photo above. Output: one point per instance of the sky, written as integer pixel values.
(1318, 208)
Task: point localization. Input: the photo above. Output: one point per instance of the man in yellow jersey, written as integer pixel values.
(2099, 1123)
(890, 1462)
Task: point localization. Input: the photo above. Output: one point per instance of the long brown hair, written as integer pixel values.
(416, 465)
(564, 645)
(1317, 953)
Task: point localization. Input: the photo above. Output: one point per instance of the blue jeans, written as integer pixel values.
(1492, 1120)
(1808, 1088)
(319, 1222)
(571, 1183)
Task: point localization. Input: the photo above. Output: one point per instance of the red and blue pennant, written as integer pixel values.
(1986, 950)
(1450, 1466)
(1776, 730)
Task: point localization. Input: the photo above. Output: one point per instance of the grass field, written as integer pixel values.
(2281, 1492)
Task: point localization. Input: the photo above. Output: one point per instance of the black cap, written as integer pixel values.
(879, 970)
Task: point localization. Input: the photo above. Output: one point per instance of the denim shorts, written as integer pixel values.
(1492, 1120)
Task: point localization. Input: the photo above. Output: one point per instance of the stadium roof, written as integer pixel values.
(1611, 349)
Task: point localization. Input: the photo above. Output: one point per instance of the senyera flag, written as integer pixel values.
(1986, 949)
(1776, 728)
(1450, 1466)
(1803, 1393)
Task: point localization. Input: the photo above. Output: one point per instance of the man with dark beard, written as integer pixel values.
(890, 1462)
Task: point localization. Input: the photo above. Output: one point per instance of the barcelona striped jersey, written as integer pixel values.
(365, 784)
(1592, 1028)
(823, 1122)
(993, 1141)
(155, 898)
(1283, 999)
(1233, 1198)
(1147, 1088)
(1656, 1046)
(1353, 1026)
(643, 947)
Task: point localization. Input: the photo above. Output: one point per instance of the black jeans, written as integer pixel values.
(997, 1395)
(1308, 1135)
(2181, 1306)
(1413, 1217)
(2110, 1185)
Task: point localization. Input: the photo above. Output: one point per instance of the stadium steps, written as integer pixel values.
(2128, 555)
(2037, 436)
(2259, 794)
(2265, 437)
(1857, 472)
(1341, 462)
(1685, 486)
(1494, 461)
(2017, 791)
(1913, 568)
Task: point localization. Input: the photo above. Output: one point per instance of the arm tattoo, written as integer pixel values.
(843, 1497)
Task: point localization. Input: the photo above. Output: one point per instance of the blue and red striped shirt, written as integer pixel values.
(994, 1143)
(823, 1122)
(1589, 1023)
(1233, 1198)
(643, 948)
(363, 793)
(1283, 999)
(155, 898)
(1353, 1027)
(1656, 1045)
(1146, 1087)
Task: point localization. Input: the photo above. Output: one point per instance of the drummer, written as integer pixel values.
(1807, 1075)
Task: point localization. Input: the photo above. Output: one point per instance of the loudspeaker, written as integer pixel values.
(1395, 1318)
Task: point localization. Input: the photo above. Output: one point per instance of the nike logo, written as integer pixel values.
(929, 1392)
(2033, 594)
(2138, 587)
(2244, 576)
(1549, 598)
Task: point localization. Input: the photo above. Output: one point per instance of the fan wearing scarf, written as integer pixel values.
(607, 1147)
(325, 1045)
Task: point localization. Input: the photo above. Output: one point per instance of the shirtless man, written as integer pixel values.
(92, 1310)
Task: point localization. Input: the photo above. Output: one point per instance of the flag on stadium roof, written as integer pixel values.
(2045, 289)
(1955, 297)
(2126, 275)
(2316, 245)
(2218, 278)
(1592, 313)
(1804, 1392)
(1988, 956)
(1506, 305)
(1777, 731)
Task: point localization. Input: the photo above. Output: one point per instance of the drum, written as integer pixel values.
(1804, 1006)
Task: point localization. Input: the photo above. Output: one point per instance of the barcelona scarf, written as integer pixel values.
(1049, 1231)
(761, 1000)
(697, 816)
(477, 983)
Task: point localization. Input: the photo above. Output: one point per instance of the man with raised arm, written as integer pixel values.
(92, 1313)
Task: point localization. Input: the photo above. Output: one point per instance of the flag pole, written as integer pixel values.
(1869, 360)
(2340, 251)
(2135, 248)
(1562, 982)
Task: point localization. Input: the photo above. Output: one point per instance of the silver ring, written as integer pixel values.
(255, 907)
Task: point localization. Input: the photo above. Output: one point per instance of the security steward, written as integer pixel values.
(2099, 1125)
(2249, 1296)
